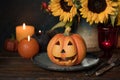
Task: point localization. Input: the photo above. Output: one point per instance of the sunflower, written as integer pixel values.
(96, 11)
(65, 9)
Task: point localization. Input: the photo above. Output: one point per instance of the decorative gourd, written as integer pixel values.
(66, 50)
(11, 44)
(27, 48)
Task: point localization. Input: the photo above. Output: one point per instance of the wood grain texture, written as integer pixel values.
(13, 67)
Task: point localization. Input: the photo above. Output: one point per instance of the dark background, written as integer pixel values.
(15, 12)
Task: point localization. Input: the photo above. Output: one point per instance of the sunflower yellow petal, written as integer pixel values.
(97, 20)
(65, 17)
(114, 4)
(101, 17)
(89, 16)
(94, 16)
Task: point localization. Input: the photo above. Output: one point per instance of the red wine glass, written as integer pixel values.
(107, 38)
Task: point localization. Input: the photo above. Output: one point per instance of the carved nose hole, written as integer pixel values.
(63, 51)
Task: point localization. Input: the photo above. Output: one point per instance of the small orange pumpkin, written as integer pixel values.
(11, 44)
(66, 50)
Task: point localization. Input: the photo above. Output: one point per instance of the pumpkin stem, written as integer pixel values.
(12, 37)
(68, 28)
(67, 31)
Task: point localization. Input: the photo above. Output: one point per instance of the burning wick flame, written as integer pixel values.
(40, 32)
(24, 26)
(28, 38)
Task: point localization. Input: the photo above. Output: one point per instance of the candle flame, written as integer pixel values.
(39, 31)
(24, 26)
(28, 38)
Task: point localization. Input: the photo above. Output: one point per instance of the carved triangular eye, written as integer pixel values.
(57, 43)
(70, 43)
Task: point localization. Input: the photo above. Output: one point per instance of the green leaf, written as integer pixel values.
(12, 36)
(113, 17)
(77, 3)
(58, 25)
(68, 24)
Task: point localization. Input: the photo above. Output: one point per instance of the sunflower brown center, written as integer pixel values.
(97, 6)
(64, 6)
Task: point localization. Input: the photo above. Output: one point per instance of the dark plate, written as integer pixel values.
(43, 61)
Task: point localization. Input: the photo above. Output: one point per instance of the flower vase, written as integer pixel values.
(89, 34)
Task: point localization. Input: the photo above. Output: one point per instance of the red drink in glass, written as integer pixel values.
(107, 38)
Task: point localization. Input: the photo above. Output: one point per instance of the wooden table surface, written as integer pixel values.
(13, 67)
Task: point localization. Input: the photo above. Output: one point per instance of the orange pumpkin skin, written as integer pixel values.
(66, 50)
(28, 49)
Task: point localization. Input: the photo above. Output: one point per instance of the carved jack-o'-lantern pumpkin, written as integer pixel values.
(66, 50)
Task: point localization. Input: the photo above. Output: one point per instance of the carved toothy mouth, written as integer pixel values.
(65, 59)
